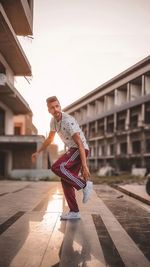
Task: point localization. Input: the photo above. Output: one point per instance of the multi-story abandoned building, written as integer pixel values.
(18, 136)
(115, 118)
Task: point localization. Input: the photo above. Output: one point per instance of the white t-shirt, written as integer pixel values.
(67, 127)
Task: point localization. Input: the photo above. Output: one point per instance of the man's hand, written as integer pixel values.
(46, 143)
(34, 156)
(85, 172)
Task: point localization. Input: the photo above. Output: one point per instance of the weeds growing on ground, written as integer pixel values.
(120, 179)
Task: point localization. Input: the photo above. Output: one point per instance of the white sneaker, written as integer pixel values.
(87, 191)
(70, 216)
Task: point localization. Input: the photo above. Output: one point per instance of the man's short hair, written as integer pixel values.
(52, 99)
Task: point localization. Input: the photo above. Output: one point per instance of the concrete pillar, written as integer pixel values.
(115, 122)
(143, 85)
(128, 92)
(105, 125)
(115, 144)
(142, 115)
(40, 157)
(129, 145)
(9, 162)
(143, 148)
(105, 151)
(117, 148)
(127, 124)
(143, 141)
(96, 127)
(116, 97)
(88, 128)
(147, 84)
(105, 103)
(96, 155)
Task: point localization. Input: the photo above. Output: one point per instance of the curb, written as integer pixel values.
(131, 194)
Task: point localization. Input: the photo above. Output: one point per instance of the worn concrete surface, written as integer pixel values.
(31, 233)
(137, 191)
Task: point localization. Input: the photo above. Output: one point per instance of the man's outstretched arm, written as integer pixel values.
(47, 142)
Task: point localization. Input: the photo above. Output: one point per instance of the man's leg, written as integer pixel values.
(68, 166)
(70, 197)
(69, 190)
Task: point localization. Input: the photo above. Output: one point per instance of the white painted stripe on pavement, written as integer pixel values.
(81, 244)
(128, 250)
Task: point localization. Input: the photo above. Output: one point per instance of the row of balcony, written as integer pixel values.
(120, 149)
(127, 120)
(130, 93)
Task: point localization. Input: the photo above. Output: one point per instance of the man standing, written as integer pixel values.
(68, 165)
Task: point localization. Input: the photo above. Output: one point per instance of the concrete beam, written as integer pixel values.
(11, 48)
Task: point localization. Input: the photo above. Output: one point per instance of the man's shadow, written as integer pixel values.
(75, 249)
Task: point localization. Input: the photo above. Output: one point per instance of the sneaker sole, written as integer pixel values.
(66, 219)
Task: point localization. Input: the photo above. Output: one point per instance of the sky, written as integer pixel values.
(78, 45)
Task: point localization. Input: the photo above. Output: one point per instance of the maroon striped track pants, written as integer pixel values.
(67, 167)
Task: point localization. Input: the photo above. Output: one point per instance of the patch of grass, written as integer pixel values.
(110, 180)
(120, 179)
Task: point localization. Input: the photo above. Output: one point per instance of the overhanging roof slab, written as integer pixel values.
(20, 15)
(12, 99)
(11, 48)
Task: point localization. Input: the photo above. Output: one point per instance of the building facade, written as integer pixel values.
(18, 136)
(23, 125)
(115, 118)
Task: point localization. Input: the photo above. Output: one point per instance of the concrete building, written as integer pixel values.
(23, 125)
(18, 136)
(115, 118)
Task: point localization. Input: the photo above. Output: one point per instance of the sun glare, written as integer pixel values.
(58, 142)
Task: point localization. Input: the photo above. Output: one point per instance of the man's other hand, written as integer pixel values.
(34, 156)
(85, 173)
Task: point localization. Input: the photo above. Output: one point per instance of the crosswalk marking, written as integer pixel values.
(52, 254)
(81, 244)
(129, 252)
(40, 239)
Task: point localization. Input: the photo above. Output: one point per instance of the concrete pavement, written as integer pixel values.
(31, 233)
(135, 190)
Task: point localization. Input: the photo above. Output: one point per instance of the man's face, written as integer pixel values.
(54, 109)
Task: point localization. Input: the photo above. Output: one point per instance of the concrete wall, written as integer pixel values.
(135, 91)
(21, 155)
(99, 106)
(120, 97)
(91, 110)
(29, 174)
(9, 127)
(20, 119)
(110, 102)
(83, 113)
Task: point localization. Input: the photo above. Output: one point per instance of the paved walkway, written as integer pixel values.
(136, 191)
(32, 235)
